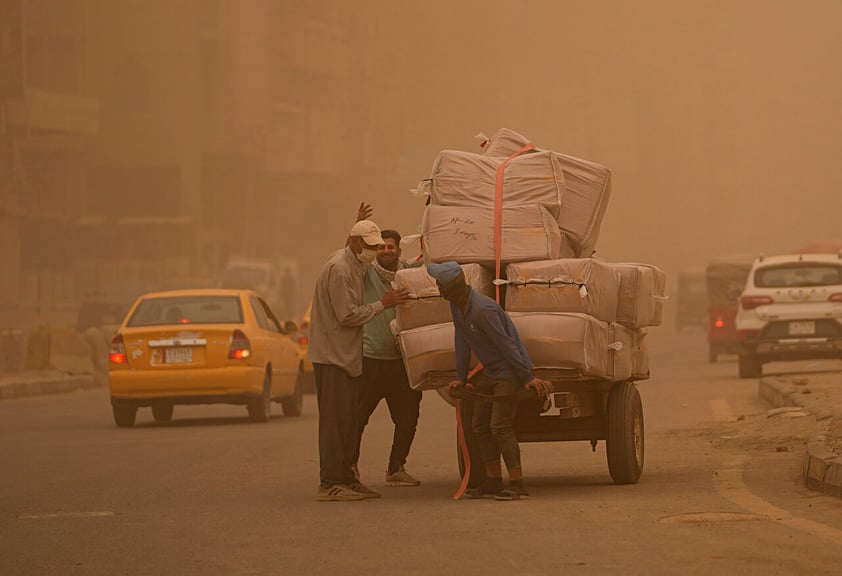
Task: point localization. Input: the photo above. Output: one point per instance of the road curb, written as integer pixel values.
(47, 385)
(822, 468)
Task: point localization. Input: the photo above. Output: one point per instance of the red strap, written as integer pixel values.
(463, 447)
(498, 215)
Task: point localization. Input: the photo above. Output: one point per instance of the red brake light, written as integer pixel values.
(744, 335)
(719, 323)
(751, 302)
(303, 340)
(117, 354)
(240, 346)
(836, 297)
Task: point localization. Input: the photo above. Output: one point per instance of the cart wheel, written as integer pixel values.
(477, 465)
(624, 443)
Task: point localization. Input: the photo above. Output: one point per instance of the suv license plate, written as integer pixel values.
(178, 355)
(802, 328)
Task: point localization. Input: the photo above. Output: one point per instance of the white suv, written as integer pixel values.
(790, 309)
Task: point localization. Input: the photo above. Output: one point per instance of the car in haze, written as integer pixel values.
(303, 339)
(790, 309)
(203, 346)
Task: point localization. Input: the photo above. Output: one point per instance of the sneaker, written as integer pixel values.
(512, 493)
(401, 478)
(477, 494)
(338, 493)
(364, 490)
(488, 489)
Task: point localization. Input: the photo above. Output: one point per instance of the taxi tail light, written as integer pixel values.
(836, 297)
(117, 354)
(240, 346)
(751, 302)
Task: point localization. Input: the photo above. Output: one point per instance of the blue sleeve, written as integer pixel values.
(463, 351)
(493, 327)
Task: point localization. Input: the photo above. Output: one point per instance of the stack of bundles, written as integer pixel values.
(424, 326)
(586, 314)
(566, 197)
(571, 311)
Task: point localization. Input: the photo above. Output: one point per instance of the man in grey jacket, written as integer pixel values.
(336, 340)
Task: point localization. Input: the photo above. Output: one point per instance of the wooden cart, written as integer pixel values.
(579, 408)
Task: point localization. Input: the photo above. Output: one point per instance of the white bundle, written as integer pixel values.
(466, 234)
(578, 285)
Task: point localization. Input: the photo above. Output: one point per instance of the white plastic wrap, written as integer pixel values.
(641, 294)
(426, 306)
(587, 188)
(425, 349)
(466, 234)
(578, 285)
(559, 340)
(468, 179)
(640, 355)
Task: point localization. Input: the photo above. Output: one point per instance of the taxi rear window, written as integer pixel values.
(798, 276)
(187, 310)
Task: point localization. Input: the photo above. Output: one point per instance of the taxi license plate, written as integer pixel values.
(176, 356)
(802, 328)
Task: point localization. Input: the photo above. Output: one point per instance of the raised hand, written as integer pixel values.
(364, 212)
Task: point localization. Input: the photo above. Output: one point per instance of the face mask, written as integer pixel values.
(367, 256)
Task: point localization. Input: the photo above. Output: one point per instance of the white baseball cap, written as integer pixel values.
(368, 231)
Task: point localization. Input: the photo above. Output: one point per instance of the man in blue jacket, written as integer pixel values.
(482, 326)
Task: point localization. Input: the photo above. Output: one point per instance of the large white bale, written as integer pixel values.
(587, 188)
(578, 285)
(425, 305)
(468, 179)
(466, 234)
(428, 349)
(640, 355)
(641, 295)
(578, 341)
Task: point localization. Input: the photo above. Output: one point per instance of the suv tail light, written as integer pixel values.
(117, 354)
(836, 297)
(751, 302)
(240, 346)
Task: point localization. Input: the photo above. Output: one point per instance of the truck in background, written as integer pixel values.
(276, 279)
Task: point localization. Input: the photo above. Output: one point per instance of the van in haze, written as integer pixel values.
(275, 279)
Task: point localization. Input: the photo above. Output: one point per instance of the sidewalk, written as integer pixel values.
(820, 393)
(38, 382)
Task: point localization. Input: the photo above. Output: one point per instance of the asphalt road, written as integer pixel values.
(212, 493)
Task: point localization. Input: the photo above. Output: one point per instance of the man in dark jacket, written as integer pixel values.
(482, 327)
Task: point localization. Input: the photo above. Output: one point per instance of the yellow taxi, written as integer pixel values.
(303, 340)
(203, 346)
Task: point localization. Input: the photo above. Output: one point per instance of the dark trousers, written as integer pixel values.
(493, 423)
(337, 398)
(387, 379)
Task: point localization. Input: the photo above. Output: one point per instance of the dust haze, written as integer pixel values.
(144, 143)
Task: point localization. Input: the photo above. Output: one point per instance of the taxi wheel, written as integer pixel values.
(293, 405)
(124, 416)
(162, 412)
(260, 409)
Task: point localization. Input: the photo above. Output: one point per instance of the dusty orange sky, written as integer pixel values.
(718, 118)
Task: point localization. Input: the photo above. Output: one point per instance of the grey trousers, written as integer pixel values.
(337, 396)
